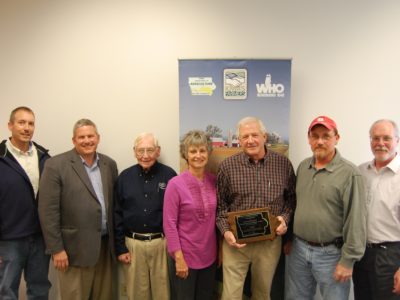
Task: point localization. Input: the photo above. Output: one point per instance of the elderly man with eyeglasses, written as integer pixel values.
(138, 212)
(377, 275)
(329, 220)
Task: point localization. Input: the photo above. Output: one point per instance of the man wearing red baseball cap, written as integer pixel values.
(329, 223)
(324, 121)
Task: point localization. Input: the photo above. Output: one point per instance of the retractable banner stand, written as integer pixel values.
(214, 94)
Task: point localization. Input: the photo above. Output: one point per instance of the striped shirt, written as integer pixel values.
(243, 184)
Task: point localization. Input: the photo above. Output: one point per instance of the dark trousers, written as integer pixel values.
(199, 285)
(373, 274)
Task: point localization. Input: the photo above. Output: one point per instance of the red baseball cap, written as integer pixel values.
(324, 121)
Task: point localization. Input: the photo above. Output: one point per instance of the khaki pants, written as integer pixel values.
(88, 283)
(263, 257)
(147, 275)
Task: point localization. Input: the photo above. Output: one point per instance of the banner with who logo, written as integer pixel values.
(214, 94)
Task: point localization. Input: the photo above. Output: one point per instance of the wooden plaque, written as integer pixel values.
(253, 225)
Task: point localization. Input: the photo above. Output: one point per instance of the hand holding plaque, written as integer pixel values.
(253, 225)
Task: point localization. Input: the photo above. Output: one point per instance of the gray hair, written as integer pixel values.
(194, 138)
(143, 135)
(395, 127)
(247, 120)
(84, 122)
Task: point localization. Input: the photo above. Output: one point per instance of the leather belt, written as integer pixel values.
(383, 245)
(144, 236)
(338, 242)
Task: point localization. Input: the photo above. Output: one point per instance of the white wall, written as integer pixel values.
(116, 62)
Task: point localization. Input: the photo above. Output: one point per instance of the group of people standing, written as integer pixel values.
(171, 231)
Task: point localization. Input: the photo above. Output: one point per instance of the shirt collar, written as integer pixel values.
(394, 165)
(249, 160)
(17, 151)
(95, 163)
(330, 167)
(151, 171)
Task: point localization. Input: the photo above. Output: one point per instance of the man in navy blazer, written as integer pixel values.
(75, 210)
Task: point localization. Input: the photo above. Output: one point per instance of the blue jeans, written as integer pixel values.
(28, 255)
(308, 266)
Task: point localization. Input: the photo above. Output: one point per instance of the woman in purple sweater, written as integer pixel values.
(189, 222)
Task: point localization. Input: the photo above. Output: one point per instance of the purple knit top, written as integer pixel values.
(189, 218)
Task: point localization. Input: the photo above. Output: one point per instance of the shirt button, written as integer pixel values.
(145, 195)
(144, 225)
(145, 210)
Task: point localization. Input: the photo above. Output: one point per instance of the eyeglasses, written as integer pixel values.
(325, 137)
(385, 139)
(142, 151)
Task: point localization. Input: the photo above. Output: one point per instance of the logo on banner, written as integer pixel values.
(269, 89)
(201, 86)
(235, 84)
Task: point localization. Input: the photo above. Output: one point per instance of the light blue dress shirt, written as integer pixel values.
(95, 178)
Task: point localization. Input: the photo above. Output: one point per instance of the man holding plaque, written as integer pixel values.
(256, 199)
(329, 221)
(377, 274)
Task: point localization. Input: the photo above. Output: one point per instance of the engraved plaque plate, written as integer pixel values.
(253, 225)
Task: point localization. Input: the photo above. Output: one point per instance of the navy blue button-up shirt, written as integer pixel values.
(139, 200)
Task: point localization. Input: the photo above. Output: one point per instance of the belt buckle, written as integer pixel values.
(377, 245)
(149, 238)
